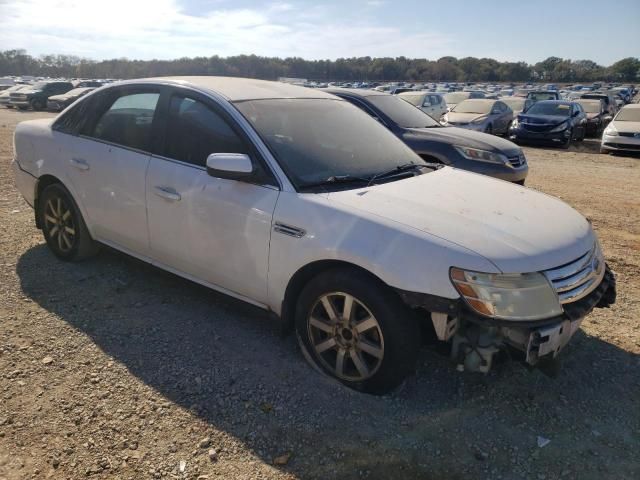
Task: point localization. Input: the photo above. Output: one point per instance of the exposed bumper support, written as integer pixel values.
(476, 339)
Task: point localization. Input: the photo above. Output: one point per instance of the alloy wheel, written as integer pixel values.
(58, 223)
(346, 336)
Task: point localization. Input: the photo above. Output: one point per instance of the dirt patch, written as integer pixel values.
(114, 369)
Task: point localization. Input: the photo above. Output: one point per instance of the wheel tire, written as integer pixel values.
(56, 208)
(567, 144)
(391, 328)
(37, 104)
(489, 129)
(22, 107)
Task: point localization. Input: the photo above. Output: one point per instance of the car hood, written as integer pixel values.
(592, 115)
(516, 228)
(542, 119)
(28, 92)
(60, 98)
(463, 117)
(462, 137)
(627, 126)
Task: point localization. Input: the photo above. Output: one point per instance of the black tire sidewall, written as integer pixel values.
(36, 104)
(398, 324)
(53, 191)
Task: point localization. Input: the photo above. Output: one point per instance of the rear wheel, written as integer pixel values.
(62, 224)
(354, 328)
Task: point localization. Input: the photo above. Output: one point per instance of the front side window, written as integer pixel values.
(128, 121)
(195, 131)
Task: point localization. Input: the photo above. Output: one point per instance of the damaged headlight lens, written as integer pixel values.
(512, 296)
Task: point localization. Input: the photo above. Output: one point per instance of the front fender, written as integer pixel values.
(404, 258)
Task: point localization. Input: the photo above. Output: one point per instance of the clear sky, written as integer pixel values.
(531, 30)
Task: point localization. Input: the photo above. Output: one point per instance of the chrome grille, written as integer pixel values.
(577, 279)
(518, 161)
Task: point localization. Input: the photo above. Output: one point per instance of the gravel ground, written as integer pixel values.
(114, 369)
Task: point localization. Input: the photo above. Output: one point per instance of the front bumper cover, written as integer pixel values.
(476, 338)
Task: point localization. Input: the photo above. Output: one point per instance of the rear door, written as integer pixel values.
(214, 230)
(108, 162)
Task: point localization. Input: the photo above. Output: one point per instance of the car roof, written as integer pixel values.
(558, 102)
(632, 106)
(357, 93)
(236, 89)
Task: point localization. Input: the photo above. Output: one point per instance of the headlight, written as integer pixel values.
(611, 132)
(445, 118)
(481, 155)
(560, 128)
(515, 123)
(514, 296)
(479, 120)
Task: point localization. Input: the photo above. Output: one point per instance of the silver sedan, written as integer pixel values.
(483, 115)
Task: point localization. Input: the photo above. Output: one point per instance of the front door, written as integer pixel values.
(215, 230)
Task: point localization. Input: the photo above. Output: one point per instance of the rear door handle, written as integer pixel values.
(80, 164)
(168, 193)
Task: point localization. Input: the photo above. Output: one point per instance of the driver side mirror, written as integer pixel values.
(231, 166)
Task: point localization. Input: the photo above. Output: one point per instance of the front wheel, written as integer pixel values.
(354, 328)
(63, 226)
(568, 141)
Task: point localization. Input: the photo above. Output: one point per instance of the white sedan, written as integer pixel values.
(298, 202)
(623, 133)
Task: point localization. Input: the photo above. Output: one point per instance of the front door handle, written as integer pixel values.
(168, 193)
(80, 164)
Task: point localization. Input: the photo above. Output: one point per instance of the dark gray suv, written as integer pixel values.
(465, 149)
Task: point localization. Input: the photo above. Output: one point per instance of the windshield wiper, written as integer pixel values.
(337, 179)
(395, 171)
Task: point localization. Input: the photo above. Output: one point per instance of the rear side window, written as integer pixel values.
(195, 131)
(128, 121)
(73, 120)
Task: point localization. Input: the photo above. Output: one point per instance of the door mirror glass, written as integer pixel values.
(232, 166)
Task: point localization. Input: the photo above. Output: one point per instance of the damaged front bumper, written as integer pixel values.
(476, 339)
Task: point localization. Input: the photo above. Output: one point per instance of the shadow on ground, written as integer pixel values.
(214, 355)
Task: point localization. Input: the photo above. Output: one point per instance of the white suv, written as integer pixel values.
(300, 203)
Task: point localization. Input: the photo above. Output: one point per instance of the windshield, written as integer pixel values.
(39, 85)
(402, 113)
(629, 115)
(514, 103)
(456, 97)
(555, 109)
(543, 96)
(416, 100)
(592, 106)
(315, 139)
(473, 106)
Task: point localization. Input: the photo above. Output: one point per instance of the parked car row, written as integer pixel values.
(335, 220)
(53, 95)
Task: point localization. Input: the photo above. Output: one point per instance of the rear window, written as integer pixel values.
(401, 112)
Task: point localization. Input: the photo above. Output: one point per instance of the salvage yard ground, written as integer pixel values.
(114, 369)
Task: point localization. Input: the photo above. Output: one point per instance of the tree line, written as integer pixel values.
(468, 69)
